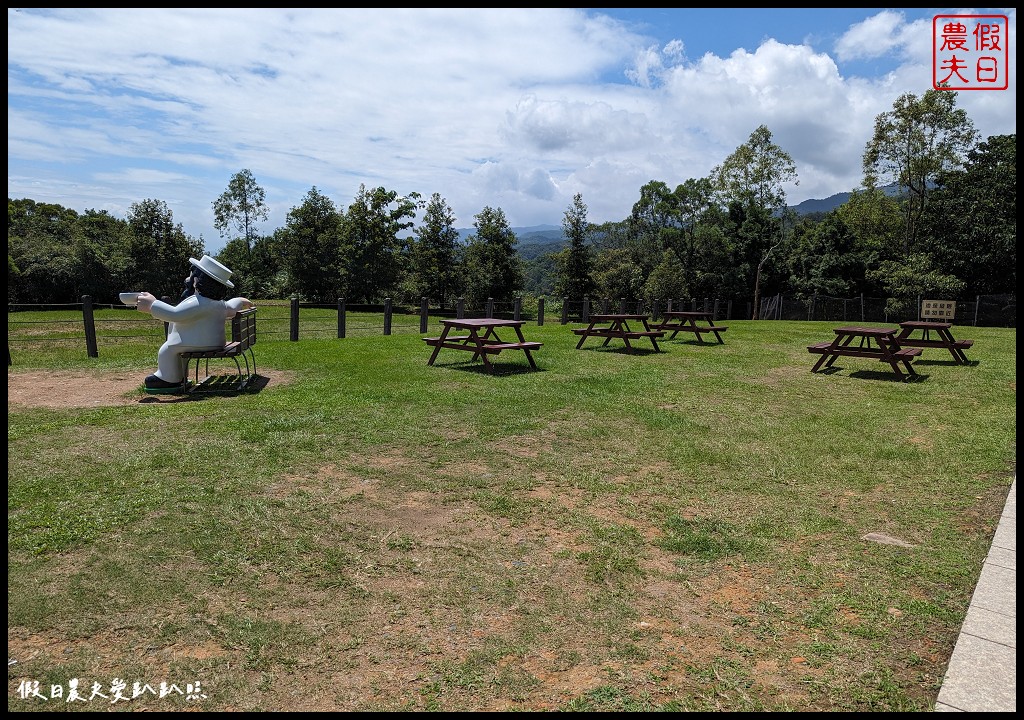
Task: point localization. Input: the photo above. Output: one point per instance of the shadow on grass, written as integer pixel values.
(214, 386)
(479, 368)
(886, 375)
(947, 363)
(622, 350)
(696, 342)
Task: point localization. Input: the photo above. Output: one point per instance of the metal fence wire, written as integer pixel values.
(292, 319)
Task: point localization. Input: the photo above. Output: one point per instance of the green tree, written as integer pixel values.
(574, 266)
(752, 178)
(618, 276)
(159, 249)
(755, 172)
(702, 252)
(310, 245)
(824, 258)
(41, 261)
(667, 280)
(493, 267)
(610, 235)
(436, 255)
(373, 254)
(241, 206)
(911, 145)
(101, 251)
(972, 219)
(655, 225)
(875, 220)
(258, 270)
(907, 280)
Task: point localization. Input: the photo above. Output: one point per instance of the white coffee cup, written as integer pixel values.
(130, 298)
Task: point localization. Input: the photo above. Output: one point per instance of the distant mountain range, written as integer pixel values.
(536, 240)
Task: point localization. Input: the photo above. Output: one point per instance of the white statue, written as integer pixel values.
(196, 322)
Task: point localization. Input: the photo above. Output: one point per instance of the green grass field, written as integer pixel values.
(681, 530)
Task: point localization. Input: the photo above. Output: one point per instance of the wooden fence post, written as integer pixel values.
(294, 324)
(460, 308)
(490, 307)
(387, 316)
(423, 315)
(585, 315)
(565, 310)
(90, 327)
(517, 308)
(655, 309)
(540, 311)
(341, 317)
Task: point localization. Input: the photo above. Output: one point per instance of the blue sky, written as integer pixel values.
(518, 109)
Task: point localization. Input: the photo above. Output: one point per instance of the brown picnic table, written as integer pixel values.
(686, 321)
(880, 344)
(616, 326)
(943, 338)
(481, 339)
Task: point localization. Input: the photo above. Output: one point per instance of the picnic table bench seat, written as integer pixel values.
(693, 328)
(435, 340)
(917, 342)
(826, 348)
(630, 334)
(489, 344)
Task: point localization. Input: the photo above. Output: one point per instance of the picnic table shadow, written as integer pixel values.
(888, 375)
(255, 385)
(478, 368)
(622, 350)
(692, 341)
(948, 363)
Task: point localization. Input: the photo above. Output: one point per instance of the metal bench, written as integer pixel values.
(238, 349)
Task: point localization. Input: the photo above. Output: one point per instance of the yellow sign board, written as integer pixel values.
(938, 309)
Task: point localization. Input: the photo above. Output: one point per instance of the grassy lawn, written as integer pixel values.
(682, 530)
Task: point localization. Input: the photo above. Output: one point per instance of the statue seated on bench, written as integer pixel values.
(196, 322)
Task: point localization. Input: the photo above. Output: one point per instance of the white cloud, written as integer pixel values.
(875, 37)
(512, 108)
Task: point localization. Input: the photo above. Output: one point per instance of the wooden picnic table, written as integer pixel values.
(617, 326)
(686, 321)
(878, 343)
(943, 338)
(481, 339)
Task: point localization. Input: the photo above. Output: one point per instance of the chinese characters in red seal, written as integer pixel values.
(970, 52)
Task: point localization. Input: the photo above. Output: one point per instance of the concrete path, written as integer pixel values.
(982, 673)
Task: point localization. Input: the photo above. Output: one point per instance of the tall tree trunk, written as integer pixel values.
(757, 282)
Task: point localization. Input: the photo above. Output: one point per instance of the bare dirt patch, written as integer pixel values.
(81, 389)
